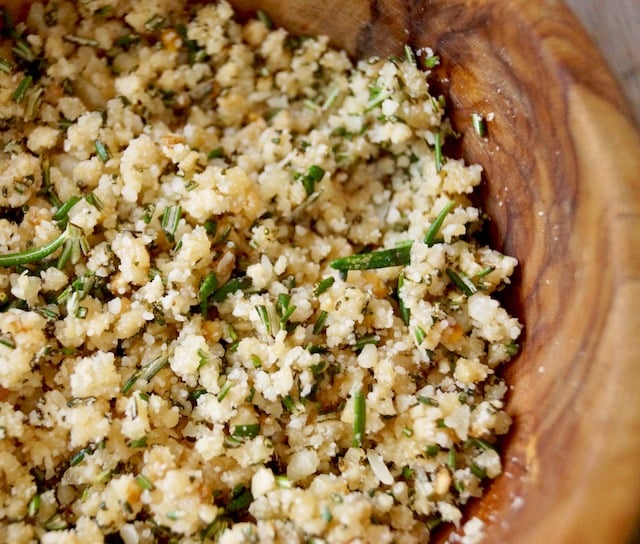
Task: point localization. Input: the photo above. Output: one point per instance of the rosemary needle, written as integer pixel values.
(359, 418)
(396, 256)
(70, 235)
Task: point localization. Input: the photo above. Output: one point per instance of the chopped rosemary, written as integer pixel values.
(154, 23)
(255, 361)
(382, 258)
(264, 19)
(144, 483)
(233, 285)
(430, 238)
(452, 461)
(149, 210)
(33, 102)
(420, 335)
(23, 51)
(170, 220)
(241, 499)
(512, 349)
(376, 97)
(207, 288)
(78, 457)
(431, 61)
(314, 175)
(462, 282)
(478, 472)
(224, 390)
(320, 322)
(284, 309)
(5, 66)
(289, 403)
(80, 40)
(216, 153)
(332, 95)
(7, 342)
(21, 90)
(215, 529)
(139, 443)
(364, 340)
(479, 124)
(72, 238)
(323, 285)
(102, 151)
(55, 523)
(410, 55)
(263, 314)
(405, 313)
(34, 506)
(437, 149)
(359, 418)
(63, 211)
(249, 430)
(283, 482)
(432, 450)
(146, 373)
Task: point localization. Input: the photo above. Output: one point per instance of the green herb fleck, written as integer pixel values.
(241, 499)
(314, 174)
(382, 258)
(207, 288)
(479, 124)
(430, 238)
(359, 418)
(34, 506)
(324, 285)
(437, 149)
(250, 430)
(264, 19)
(72, 238)
(5, 66)
(144, 483)
(462, 282)
(21, 90)
(405, 313)
(170, 220)
(320, 322)
(102, 151)
(146, 373)
(410, 55)
(431, 61)
(224, 391)
(263, 314)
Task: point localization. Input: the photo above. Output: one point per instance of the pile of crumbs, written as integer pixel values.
(241, 294)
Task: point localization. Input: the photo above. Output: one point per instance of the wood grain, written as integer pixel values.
(562, 166)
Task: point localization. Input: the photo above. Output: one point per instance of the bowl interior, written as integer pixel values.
(561, 187)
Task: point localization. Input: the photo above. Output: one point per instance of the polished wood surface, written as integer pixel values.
(562, 169)
(562, 164)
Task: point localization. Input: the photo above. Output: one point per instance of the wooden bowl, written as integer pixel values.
(562, 170)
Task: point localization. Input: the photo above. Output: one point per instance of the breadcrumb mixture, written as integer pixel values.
(187, 350)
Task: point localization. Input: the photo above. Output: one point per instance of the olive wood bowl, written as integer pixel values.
(562, 187)
(561, 164)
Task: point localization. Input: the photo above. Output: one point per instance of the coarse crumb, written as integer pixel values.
(190, 362)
